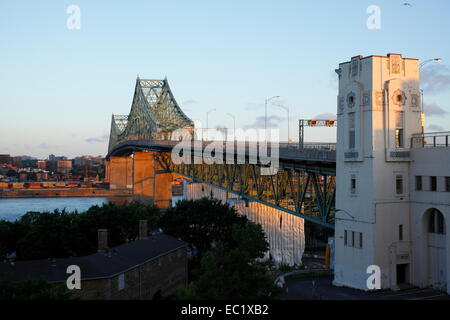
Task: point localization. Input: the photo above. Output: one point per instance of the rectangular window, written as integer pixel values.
(351, 131)
(360, 240)
(399, 138)
(355, 240)
(121, 280)
(447, 184)
(399, 184)
(399, 126)
(400, 232)
(353, 184)
(418, 183)
(433, 183)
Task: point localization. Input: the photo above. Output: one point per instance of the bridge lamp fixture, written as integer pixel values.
(265, 106)
(421, 90)
(430, 60)
(342, 210)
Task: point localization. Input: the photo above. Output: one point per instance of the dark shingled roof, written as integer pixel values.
(98, 265)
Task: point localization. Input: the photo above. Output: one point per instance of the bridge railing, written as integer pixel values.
(313, 151)
(431, 140)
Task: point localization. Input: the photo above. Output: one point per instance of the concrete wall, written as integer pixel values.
(285, 232)
(428, 162)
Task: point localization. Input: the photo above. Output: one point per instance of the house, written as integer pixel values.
(151, 267)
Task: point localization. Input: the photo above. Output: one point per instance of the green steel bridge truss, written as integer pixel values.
(306, 192)
(154, 114)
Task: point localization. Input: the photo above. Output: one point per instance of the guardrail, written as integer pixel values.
(311, 151)
(431, 140)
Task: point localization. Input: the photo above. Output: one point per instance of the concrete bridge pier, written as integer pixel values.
(151, 182)
(143, 176)
(119, 173)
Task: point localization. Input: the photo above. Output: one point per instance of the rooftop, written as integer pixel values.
(98, 265)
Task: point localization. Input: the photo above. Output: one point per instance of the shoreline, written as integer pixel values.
(60, 192)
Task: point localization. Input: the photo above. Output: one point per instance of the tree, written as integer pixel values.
(33, 289)
(234, 273)
(58, 234)
(201, 223)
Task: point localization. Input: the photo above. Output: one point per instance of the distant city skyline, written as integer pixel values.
(59, 87)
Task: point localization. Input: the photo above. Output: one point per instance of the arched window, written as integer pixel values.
(436, 223)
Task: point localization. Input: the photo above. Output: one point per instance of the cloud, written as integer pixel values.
(435, 78)
(190, 101)
(433, 109)
(272, 122)
(251, 106)
(103, 138)
(435, 127)
(325, 116)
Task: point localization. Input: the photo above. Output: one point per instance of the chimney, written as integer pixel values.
(102, 239)
(143, 229)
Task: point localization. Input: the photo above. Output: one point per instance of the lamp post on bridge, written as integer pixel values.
(421, 90)
(265, 116)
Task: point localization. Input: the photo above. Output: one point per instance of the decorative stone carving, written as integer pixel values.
(395, 64)
(415, 100)
(399, 98)
(351, 99)
(355, 66)
(366, 99)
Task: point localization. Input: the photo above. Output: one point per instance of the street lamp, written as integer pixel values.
(265, 105)
(421, 90)
(234, 125)
(265, 116)
(287, 110)
(428, 61)
(207, 113)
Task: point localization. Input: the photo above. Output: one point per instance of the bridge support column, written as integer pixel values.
(119, 172)
(151, 181)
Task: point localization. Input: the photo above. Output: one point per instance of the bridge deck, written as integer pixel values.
(319, 155)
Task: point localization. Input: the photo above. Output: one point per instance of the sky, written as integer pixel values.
(60, 86)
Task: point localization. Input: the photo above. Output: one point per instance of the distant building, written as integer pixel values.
(42, 164)
(152, 267)
(17, 162)
(5, 158)
(63, 166)
(23, 176)
(42, 176)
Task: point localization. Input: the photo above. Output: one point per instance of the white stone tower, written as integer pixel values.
(378, 111)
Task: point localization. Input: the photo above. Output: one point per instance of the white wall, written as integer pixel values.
(428, 162)
(375, 206)
(284, 231)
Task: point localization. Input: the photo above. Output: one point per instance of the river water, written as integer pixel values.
(13, 208)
